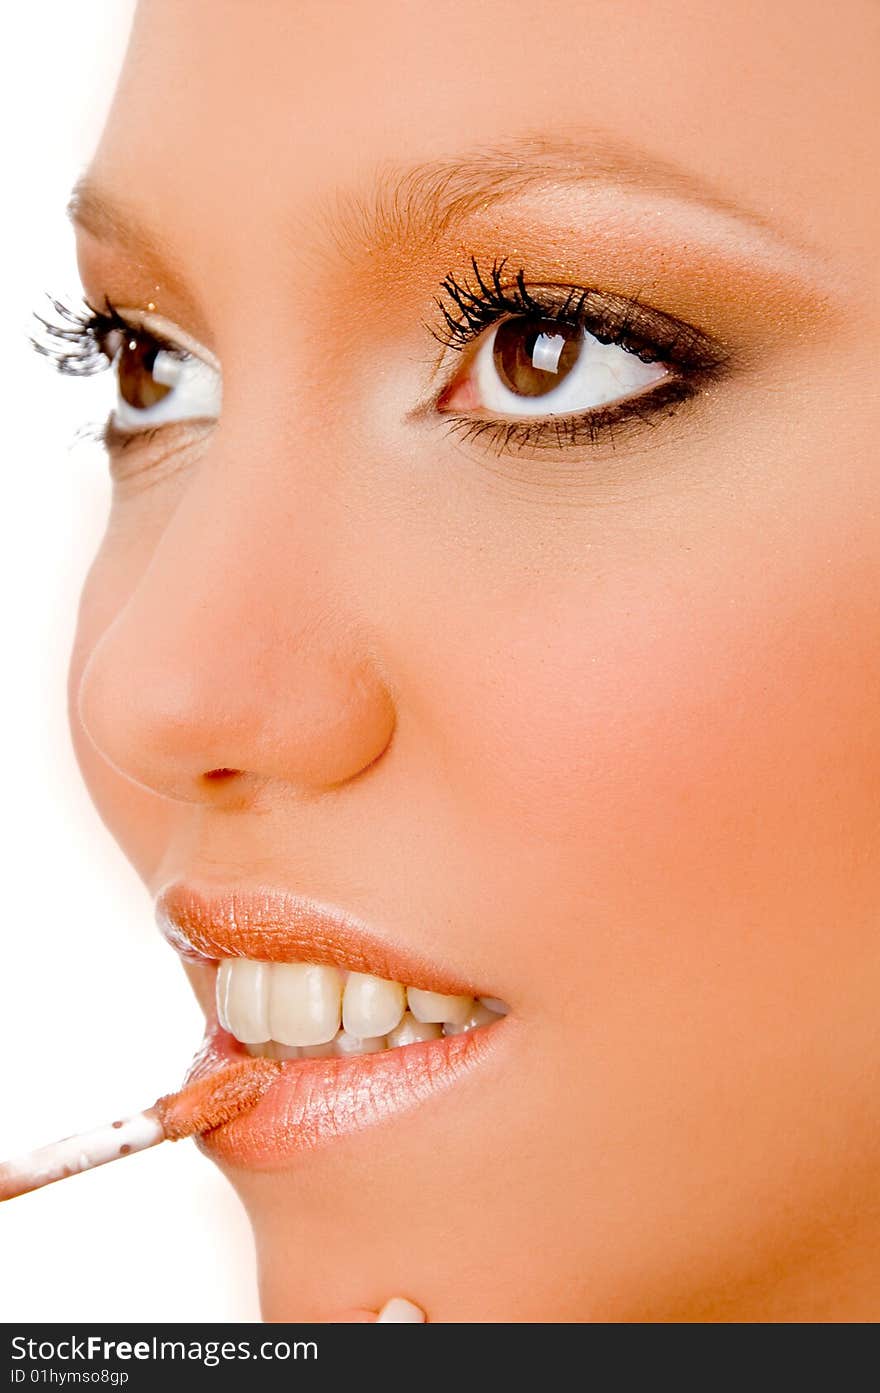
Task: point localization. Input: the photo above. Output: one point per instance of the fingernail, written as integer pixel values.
(402, 1311)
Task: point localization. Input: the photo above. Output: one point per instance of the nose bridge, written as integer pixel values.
(249, 547)
(242, 646)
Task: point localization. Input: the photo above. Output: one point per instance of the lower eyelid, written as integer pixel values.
(116, 440)
(120, 442)
(614, 423)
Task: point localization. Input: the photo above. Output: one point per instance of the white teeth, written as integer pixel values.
(244, 988)
(480, 1015)
(304, 1003)
(433, 1006)
(325, 1051)
(350, 1044)
(371, 1005)
(340, 1046)
(304, 1010)
(411, 1032)
(222, 988)
(494, 1004)
(272, 1050)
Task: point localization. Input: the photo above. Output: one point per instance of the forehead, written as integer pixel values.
(233, 110)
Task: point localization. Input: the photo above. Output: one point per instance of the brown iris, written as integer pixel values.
(134, 371)
(533, 356)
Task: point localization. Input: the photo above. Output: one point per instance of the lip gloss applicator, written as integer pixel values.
(200, 1106)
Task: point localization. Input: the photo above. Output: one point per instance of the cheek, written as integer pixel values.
(667, 764)
(674, 767)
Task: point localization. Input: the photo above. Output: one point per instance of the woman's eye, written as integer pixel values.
(530, 367)
(157, 383)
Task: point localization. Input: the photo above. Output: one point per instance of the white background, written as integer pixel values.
(96, 1018)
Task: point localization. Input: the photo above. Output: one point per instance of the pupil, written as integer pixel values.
(532, 356)
(135, 374)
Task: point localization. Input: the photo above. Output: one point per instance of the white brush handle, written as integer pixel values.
(82, 1153)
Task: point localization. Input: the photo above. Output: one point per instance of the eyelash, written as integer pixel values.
(78, 343)
(612, 319)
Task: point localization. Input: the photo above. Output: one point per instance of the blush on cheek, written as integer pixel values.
(690, 755)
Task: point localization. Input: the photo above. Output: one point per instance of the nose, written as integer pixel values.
(240, 650)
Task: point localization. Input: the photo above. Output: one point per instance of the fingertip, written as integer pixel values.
(401, 1312)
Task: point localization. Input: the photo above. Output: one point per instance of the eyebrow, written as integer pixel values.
(416, 204)
(420, 202)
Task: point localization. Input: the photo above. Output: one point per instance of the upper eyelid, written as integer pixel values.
(681, 343)
(166, 332)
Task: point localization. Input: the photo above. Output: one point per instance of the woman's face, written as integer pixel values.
(573, 703)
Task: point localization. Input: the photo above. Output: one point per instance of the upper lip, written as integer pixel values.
(279, 926)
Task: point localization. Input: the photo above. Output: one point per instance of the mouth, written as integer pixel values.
(362, 1030)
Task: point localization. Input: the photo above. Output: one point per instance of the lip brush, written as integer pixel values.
(209, 1102)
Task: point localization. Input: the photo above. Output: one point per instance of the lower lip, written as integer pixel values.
(317, 1101)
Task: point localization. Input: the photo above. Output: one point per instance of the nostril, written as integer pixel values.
(221, 773)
